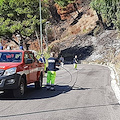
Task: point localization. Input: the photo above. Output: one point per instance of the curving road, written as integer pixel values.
(83, 94)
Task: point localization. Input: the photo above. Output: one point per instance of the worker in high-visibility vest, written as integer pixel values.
(62, 60)
(75, 61)
(51, 71)
(42, 60)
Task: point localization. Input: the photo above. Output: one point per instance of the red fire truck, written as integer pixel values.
(18, 68)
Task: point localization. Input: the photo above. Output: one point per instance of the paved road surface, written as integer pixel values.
(83, 94)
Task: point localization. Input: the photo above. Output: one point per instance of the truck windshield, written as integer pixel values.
(10, 56)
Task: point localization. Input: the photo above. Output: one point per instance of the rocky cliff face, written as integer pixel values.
(65, 13)
(76, 21)
(74, 36)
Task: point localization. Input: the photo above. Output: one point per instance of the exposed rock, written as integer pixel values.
(78, 5)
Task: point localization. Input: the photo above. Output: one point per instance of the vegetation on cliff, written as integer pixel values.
(108, 12)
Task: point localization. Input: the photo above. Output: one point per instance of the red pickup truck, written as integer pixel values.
(17, 69)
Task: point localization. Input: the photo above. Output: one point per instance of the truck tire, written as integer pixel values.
(38, 84)
(20, 91)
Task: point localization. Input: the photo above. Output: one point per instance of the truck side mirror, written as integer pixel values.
(28, 61)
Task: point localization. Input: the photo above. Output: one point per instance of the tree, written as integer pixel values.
(98, 5)
(63, 3)
(20, 17)
(109, 10)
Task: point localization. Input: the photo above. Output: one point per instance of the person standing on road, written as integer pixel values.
(51, 72)
(62, 60)
(75, 61)
(42, 60)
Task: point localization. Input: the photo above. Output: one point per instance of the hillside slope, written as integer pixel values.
(80, 35)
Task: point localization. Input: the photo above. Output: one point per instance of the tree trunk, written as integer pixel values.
(102, 24)
(100, 18)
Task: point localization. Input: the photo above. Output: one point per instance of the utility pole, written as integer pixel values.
(46, 28)
(40, 25)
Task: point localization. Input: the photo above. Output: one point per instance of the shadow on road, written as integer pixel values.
(31, 93)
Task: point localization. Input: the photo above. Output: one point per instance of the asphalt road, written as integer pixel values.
(83, 94)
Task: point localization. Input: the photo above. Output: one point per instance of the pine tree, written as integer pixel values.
(21, 17)
(109, 10)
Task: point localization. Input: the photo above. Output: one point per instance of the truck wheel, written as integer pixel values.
(20, 91)
(38, 84)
